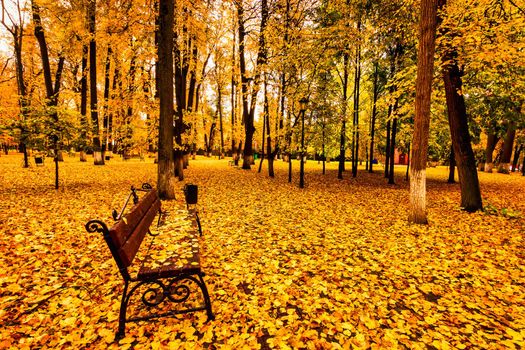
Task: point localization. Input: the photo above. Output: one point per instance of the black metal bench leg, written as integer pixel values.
(121, 333)
(206, 296)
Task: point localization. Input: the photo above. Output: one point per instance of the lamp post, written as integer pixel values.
(302, 103)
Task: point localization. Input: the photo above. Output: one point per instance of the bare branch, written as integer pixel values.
(5, 65)
(6, 80)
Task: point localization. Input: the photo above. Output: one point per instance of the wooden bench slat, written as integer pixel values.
(185, 258)
(129, 249)
(121, 231)
(171, 270)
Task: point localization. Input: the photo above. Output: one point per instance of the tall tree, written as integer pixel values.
(269, 152)
(249, 100)
(387, 145)
(459, 130)
(374, 115)
(425, 70)
(16, 28)
(233, 91)
(357, 80)
(83, 102)
(105, 123)
(51, 91)
(392, 148)
(344, 104)
(93, 95)
(458, 121)
(164, 77)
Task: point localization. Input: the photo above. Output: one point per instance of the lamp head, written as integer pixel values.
(302, 103)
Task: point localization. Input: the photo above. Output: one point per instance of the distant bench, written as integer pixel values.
(136, 156)
(168, 269)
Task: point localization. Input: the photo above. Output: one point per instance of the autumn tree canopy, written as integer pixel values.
(242, 66)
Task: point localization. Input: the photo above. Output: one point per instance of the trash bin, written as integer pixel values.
(190, 193)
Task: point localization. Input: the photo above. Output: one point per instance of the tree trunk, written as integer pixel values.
(523, 167)
(233, 99)
(193, 76)
(342, 149)
(270, 153)
(249, 108)
(387, 148)
(508, 145)
(289, 167)
(425, 70)
(17, 31)
(23, 148)
(51, 92)
(357, 80)
(324, 152)
(219, 107)
(97, 147)
(517, 152)
(128, 129)
(492, 141)
(451, 167)
(408, 163)
(115, 87)
(164, 76)
(265, 115)
(247, 121)
(105, 123)
(459, 131)
(83, 103)
(263, 141)
(374, 115)
(342, 146)
(392, 151)
(458, 121)
(181, 75)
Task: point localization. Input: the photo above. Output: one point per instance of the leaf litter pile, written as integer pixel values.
(334, 265)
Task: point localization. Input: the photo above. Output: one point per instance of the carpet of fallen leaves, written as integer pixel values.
(335, 265)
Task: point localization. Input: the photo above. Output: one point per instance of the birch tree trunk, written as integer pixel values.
(425, 70)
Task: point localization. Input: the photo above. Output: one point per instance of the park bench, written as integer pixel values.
(168, 272)
(135, 156)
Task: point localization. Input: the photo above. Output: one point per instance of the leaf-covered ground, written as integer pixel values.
(335, 265)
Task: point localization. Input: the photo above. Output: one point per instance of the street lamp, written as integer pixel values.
(302, 104)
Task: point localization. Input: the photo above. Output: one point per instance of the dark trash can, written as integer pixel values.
(191, 192)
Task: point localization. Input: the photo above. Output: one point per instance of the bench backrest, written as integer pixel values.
(127, 234)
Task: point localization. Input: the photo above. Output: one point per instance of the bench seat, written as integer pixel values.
(175, 250)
